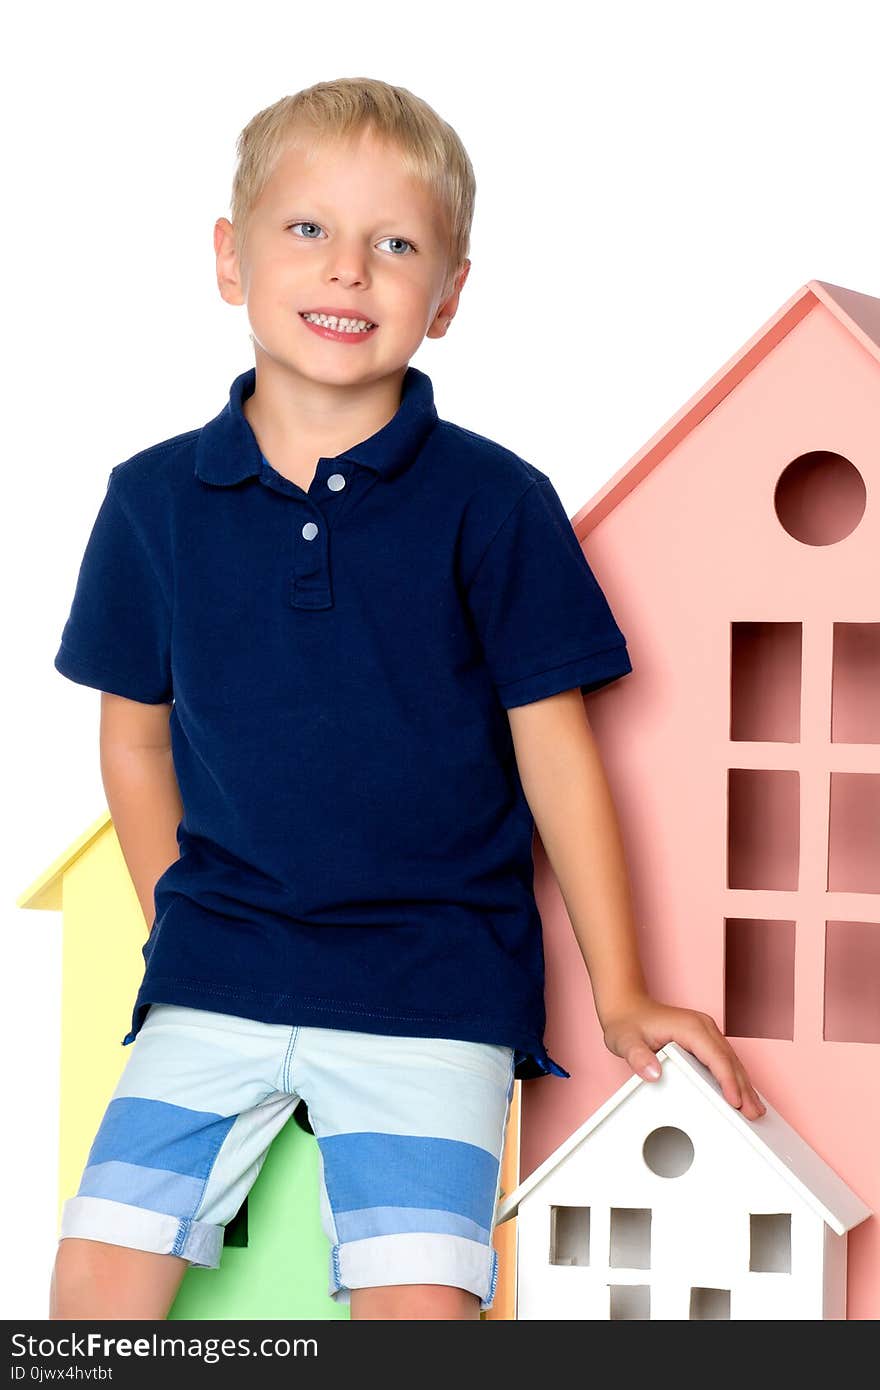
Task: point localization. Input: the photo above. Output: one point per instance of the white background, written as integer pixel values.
(651, 186)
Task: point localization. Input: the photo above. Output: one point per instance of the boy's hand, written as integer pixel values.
(641, 1027)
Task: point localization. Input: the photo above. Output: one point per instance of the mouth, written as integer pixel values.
(339, 321)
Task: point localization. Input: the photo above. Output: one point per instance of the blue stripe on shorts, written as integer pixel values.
(155, 1155)
(383, 1183)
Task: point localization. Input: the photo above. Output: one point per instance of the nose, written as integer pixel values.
(348, 276)
(348, 266)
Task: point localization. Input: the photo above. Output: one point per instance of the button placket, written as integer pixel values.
(310, 585)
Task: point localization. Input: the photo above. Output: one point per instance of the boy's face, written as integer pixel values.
(351, 231)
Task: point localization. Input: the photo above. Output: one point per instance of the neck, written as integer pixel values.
(293, 416)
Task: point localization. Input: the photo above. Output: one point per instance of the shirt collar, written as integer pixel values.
(228, 452)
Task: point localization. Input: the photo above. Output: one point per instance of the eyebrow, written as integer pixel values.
(380, 221)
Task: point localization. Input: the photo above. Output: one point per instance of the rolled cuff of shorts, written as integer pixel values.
(414, 1257)
(100, 1218)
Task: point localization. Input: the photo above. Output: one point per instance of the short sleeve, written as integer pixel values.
(544, 623)
(117, 637)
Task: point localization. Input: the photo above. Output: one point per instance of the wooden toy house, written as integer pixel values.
(739, 552)
(668, 1203)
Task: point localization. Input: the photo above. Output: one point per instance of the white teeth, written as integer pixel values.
(341, 325)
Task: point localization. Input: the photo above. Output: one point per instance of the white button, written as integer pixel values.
(336, 481)
(310, 531)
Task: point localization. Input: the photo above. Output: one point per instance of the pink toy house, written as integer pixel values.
(740, 552)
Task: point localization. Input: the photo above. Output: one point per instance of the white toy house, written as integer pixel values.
(668, 1203)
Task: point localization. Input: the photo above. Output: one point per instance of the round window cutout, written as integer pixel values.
(668, 1152)
(820, 498)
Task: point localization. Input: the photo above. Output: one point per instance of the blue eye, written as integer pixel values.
(401, 241)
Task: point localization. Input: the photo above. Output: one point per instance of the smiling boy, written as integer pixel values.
(342, 645)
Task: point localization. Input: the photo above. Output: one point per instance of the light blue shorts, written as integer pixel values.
(410, 1134)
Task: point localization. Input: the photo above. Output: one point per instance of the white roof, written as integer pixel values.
(770, 1136)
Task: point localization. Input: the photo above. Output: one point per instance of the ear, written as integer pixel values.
(228, 269)
(446, 310)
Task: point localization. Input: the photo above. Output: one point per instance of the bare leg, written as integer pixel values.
(93, 1279)
(414, 1301)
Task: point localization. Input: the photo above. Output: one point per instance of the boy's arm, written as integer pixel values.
(567, 791)
(142, 792)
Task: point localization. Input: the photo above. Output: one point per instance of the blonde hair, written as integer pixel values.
(430, 149)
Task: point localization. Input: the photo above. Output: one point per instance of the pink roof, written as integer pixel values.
(859, 313)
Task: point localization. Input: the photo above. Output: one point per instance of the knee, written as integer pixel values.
(68, 1272)
(414, 1301)
(95, 1279)
(76, 1260)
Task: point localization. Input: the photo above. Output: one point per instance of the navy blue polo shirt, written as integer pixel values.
(355, 846)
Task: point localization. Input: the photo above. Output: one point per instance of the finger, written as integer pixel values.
(631, 1046)
(752, 1104)
(699, 1033)
(741, 1094)
(644, 1062)
(721, 1061)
